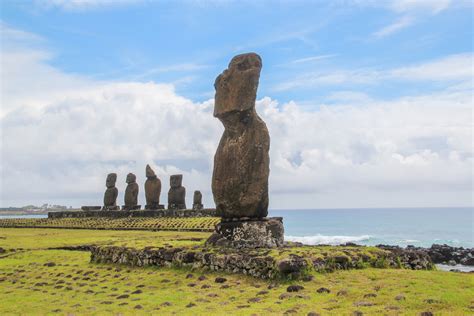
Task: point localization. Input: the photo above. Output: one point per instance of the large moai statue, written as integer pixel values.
(110, 195)
(241, 162)
(131, 194)
(177, 193)
(152, 190)
(197, 200)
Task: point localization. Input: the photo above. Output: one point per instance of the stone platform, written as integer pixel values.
(138, 213)
(264, 232)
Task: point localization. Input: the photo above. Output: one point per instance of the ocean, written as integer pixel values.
(392, 226)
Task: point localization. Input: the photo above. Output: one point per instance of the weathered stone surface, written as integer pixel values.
(110, 195)
(258, 263)
(241, 162)
(197, 200)
(265, 233)
(152, 190)
(177, 193)
(131, 193)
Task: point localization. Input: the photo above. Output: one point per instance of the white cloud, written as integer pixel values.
(398, 25)
(457, 67)
(433, 6)
(453, 67)
(312, 58)
(61, 135)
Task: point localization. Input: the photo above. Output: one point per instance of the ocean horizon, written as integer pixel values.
(420, 227)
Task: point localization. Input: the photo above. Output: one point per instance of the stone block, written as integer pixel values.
(91, 208)
(262, 233)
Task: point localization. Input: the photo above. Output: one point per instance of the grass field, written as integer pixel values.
(35, 280)
(127, 223)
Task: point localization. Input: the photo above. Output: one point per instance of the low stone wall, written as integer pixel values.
(257, 264)
(140, 213)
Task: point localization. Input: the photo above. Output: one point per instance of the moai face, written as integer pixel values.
(111, 179)
(149, 172)
(176, 180)
(131, 178)
(236, 87)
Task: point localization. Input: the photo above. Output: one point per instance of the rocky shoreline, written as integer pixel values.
(440, 254)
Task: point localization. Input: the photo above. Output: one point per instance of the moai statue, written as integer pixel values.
(152, 190)
(197, 200)
(110, 196)
(241, 162)
(177, 193)
(131, 194)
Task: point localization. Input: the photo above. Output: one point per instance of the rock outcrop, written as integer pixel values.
(110, 195)
(152, 190)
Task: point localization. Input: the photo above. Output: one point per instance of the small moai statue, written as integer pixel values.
(110, 195)
(131, 194)
(152, 190)
(197, 200)
(177, 193)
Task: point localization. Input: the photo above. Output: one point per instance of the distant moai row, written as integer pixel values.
(176, 193)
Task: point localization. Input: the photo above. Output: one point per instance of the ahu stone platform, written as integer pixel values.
(138, 213)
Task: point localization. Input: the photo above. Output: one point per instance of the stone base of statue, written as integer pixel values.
(264, 232)
(111, 208)
(131, 208)
(91, 208)
(176, 206)
(154, 207)
(197, 206)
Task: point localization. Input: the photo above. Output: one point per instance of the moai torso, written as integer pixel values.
(152, 189)
(241, 162)
(177, 193)
(110, 195)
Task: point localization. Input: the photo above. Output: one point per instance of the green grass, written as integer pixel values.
(74, 286)
(133, 223)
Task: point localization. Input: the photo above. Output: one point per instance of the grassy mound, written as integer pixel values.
(129, 223)
(36, 281)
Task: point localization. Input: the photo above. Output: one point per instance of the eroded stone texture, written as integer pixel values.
(197, 200)
(241, 162)
(152, 190)
(110, 195)
(176, 193)
(131, 193)
(264, 233)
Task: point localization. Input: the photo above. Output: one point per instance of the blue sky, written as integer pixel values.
(368, 103)
(189, 42)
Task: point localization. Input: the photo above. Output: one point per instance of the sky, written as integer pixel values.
(368, 103)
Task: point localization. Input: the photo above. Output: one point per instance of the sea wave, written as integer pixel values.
(327, 240)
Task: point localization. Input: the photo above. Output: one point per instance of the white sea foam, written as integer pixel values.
(326, 240)
(409, 240)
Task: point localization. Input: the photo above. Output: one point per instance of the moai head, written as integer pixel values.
(150, 174)
(111, 179)
(176, 180)
(236, 87)
(131, 178)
